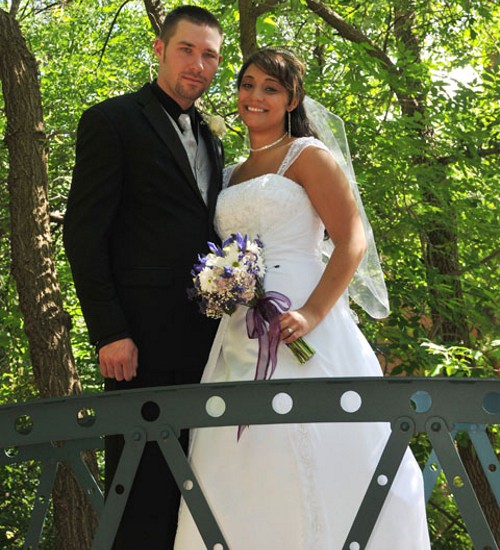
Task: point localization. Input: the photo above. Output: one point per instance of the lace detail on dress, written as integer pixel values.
(296, 148)
(262, 205)
(313, 533)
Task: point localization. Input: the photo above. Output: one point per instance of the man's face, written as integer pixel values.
(188, 62)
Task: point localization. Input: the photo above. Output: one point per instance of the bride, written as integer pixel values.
(298, 486)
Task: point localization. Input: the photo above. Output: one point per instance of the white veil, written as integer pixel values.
(367, 287)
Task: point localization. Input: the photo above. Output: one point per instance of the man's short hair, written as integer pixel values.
(193, 14)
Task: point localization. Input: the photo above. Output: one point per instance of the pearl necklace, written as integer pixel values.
(264, 147)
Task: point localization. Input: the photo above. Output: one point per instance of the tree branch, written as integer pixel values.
(14, 7)
(115, 18)
(495, 150)
(156, 14)
(482, 153)
(485, 260)
(351, 33)
(264, 7)
(57, 218)
(60, 3)
(248, 33)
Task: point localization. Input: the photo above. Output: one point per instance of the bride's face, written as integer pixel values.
(262, 100)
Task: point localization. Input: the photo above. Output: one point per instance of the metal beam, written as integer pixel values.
(438, 407)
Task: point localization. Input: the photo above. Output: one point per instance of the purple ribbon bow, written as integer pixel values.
(263, 323)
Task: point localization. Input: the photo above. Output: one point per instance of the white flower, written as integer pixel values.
(232, 255)
(220, 262)
(212, 261)
(216, 124)
(252, 246)
(208, 282)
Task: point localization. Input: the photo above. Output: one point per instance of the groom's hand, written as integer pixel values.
(119, 360)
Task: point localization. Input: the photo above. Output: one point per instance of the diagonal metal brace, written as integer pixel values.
(459, 484)
(190, 489)
(88, 484)
(41, 506)
(385, 472)
(487, 457)
(116, 500)
(485, 453)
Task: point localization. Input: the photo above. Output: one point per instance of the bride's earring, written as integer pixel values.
(289, 124)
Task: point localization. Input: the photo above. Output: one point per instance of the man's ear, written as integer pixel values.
(158, 47)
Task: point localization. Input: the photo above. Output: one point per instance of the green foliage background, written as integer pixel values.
(88, 51)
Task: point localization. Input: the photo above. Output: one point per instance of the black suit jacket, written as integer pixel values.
(134, 225)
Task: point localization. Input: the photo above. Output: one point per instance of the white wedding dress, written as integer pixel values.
(294, 487)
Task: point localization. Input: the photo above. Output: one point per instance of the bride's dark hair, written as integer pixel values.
(286, 67)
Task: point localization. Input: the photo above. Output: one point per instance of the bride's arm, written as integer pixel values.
(330, 194)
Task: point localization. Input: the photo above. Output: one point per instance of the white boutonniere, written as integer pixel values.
(216, 124)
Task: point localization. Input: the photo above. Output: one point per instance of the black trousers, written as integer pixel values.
(149, 521)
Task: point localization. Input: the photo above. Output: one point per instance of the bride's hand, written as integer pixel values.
(297, 323)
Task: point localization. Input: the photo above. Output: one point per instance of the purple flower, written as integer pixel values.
(215, 249)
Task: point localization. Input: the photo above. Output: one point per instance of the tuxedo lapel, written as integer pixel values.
(214, 149)
(163, 126)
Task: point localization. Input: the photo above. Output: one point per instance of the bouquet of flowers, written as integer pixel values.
(232, 275)
(227, 276)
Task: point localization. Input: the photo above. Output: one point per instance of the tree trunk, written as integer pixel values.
(250, 11)
(45, 322)
(248, 30)
(439, 239)
(483, 490)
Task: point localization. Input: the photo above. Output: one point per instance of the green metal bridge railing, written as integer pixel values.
(437, 407)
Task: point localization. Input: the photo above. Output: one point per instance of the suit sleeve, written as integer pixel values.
(92, 206)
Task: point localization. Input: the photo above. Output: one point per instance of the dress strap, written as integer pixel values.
(296, 149)
(226, 174)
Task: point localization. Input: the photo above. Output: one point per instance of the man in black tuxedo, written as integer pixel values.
(140, 209)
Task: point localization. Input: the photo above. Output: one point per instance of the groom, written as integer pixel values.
(140, 209)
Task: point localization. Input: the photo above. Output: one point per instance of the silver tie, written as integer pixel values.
(189, 140)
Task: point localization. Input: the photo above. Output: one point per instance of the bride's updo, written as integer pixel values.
(286, 67)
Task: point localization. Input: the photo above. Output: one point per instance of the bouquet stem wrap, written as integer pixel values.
(263, 323)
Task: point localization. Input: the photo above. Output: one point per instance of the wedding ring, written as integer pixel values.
(290, 330)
